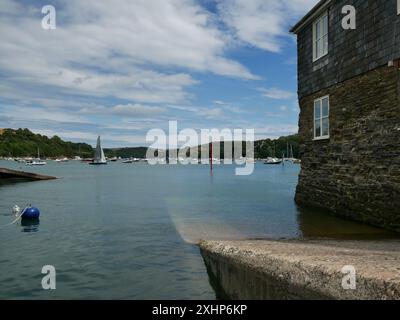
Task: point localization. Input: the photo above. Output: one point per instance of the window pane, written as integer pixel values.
(319, 48)
(325, 25)
(325, 127)
(317, 126)
(318, 30)
(325, 107)
(317, 109)
(325, 40)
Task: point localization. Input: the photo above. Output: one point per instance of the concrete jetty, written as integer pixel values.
(303, 269)
(14, 174)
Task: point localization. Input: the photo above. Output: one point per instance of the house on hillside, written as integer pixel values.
(349, 96)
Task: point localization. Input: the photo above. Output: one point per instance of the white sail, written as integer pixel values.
(103, 157)
(99, 156)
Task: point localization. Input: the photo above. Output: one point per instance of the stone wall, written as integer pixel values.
(356, 173)
(373, 44)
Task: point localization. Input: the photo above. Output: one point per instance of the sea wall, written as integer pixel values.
(270, 270)
(356, 173)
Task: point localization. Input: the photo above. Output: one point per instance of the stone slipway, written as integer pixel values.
(302, 269)
(14, 174)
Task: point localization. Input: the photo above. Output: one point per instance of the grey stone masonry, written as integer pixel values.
(375, 41)
(356, 172)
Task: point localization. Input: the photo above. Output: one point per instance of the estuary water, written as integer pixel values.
(129, 231)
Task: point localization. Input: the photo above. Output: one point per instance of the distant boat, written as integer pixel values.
(127, 161)
(99, 157)
(36, 162)
(115, 159)
(62, 160)
(273, 161)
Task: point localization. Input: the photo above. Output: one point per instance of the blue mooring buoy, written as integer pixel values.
(31, 213)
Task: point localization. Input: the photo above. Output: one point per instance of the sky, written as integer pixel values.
(123, 67)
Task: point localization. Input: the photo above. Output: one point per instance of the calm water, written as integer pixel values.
(128, 231)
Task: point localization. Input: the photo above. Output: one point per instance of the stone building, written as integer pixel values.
(349, 96)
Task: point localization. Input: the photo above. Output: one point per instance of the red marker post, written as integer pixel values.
(211, 158)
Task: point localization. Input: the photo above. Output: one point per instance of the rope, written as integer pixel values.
(16, 220)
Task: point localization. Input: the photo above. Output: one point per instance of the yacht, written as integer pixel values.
(99, 157)
(273, 161)
(36, 162)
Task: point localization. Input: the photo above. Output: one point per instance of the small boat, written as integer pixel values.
(273, 161)
(127, 161)
(36, 162)
(99, 157)
(115, 159)
(62, 160)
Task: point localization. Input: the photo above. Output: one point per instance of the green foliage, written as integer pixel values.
(24, 143)
(139, 152)
(276, 148)
(270, 148)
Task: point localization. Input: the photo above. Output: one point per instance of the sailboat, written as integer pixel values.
(36, 162)
(99, 157)
(273, 160)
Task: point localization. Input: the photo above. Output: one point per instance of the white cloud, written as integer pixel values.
(141, 57)
(262, 23)
(208, 113)
(113, 49)
(228, 107)
(9, 7)
(283, 108)
(277, 94)
(125, 110)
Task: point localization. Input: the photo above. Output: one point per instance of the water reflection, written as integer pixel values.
(30, 225)
(315, 223)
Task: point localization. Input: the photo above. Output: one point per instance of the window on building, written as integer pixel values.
(320, 37)
(321, 118)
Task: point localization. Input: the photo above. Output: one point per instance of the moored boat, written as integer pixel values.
(99, 157)
(36, 162)
(273, 161)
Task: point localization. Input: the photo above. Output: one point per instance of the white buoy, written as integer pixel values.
(16, 210)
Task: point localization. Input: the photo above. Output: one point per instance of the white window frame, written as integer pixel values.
(321, 118)
(320, 19)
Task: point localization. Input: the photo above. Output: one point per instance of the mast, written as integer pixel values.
(97, 155)
(287, 149)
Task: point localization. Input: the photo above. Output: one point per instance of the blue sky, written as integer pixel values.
(120, 68)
